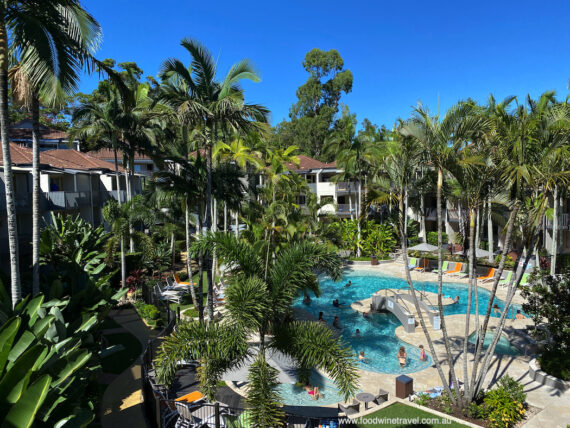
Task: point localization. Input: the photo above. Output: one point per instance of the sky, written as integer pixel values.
(400, 52)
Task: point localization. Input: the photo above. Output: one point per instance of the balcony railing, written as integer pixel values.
(563, 222)
(68, 200)
(346, 186)
(345, 209)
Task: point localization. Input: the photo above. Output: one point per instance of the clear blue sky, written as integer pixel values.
(400, 52)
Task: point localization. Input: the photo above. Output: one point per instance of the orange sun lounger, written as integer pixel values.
(489, 276)
(177, 279)
(456, 269)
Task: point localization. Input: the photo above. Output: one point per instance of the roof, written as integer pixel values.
(306, 163)
(60, 158)
(22, 130)
(109, 155)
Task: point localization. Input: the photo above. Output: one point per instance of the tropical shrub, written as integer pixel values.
(432, 238)
(509, 262)
(513, 388)
(48, 355)
(501, 410)
(149, 313)
(379, 239)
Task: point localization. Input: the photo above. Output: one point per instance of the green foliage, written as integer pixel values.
(548, 300)
(313, 116)
(509, 262)
(262, 398)
(47, 358)
(422, 400)
(379, 239)
(149, 313)
(513, 388)
(74, 252)
(432, 238)
(555, 362)
(501, 410)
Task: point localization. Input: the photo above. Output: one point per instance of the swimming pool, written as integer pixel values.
(378, 339)
(294, 395)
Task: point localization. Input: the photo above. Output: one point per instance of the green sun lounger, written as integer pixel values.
(443, 267)
(506, 281)
(412, 263)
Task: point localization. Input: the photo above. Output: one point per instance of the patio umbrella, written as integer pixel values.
(479, 253)
(285, 365)
(425, 247)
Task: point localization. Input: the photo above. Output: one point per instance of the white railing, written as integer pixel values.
(346, 186)
(563, 222)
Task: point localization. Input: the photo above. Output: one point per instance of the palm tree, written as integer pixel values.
(218, 107)
(52, 42)
(258, 300)
(442, 139)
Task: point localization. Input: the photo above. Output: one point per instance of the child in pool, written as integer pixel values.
(361, 357)
(402, 355)
(313, 391)
(357, 333)
(423, 355)
(336, 322)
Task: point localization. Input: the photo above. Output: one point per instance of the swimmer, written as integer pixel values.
(456, 300)
(313, 391)
(348, 284)
(423, 355)
(519, 316)
(402, 355)
(361, 357)
(357, 333)
(335, 303)
(335, 322)
(307, 299)
(496, 310)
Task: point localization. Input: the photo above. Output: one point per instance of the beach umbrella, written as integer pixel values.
(479, 253)
(285, 365)
(425, 247)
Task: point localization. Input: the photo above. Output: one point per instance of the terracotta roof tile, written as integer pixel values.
(23, 131)
(306, 163)
(72, 159)
(109, 154)
(20, 155)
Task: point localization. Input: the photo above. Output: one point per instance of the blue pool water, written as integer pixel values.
(503, 347)
(378, 339)
(296, 396)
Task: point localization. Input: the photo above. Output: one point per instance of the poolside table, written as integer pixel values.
(365, 397)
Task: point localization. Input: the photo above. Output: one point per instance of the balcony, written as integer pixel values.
(67, 200)
(113, 194)
(563, 222)
(346, 187)
(453, 215)
(22, 202)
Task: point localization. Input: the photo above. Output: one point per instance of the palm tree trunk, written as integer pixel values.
(423, 218)
(117, 176)
(173, 248)
(188, 255)
(225, 217)
(490, 228)
(446, 341)
(35, 107)
(474, 389)
(208, 221)
(469, 295)
(200, 295)
(358, 207)
(350, 201)
(478, 229)
(123, 264)
(237, 224)
(404, 245)
(15, 288)
(554, 248)
(119, 200)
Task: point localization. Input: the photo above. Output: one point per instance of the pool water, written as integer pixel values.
(294, 395)
(378, 339)
(503, 347)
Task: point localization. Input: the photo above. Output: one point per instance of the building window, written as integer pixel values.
(149, 167)
(137, 168)
(329, 199)
(311, 178)
(341, 200)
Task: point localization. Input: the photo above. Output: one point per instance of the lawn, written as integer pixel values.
(413, 418)
(119, 361)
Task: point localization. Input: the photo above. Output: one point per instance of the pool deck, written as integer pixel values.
(538, 395)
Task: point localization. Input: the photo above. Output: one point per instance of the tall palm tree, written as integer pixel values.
(52, 40)
(442, 138)
(217, 106)
(258, 301)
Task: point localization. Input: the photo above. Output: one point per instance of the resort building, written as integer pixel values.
(71, 182)
(343, 196)
(143, 164)
(21, 133)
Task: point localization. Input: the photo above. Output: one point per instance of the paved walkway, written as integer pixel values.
(122, 404)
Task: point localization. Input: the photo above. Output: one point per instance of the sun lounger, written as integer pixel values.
(456, 269)
(424, 264)
(413, 262)
(178, 281)
(488, 277)
(507, 280)
(381, 397)
(351, 409)
(524, 279)
(443, 267)
(172, 286)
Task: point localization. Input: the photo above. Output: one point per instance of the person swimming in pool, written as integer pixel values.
(423, 355)
(307, 299)
(348, 284)
(313, 391)
(335, 303)
(365, 315)
(357, 333)
(456, 300)
(519, 316)
(336, 322)
(496, 310)
(361, 357)
(402, 355)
